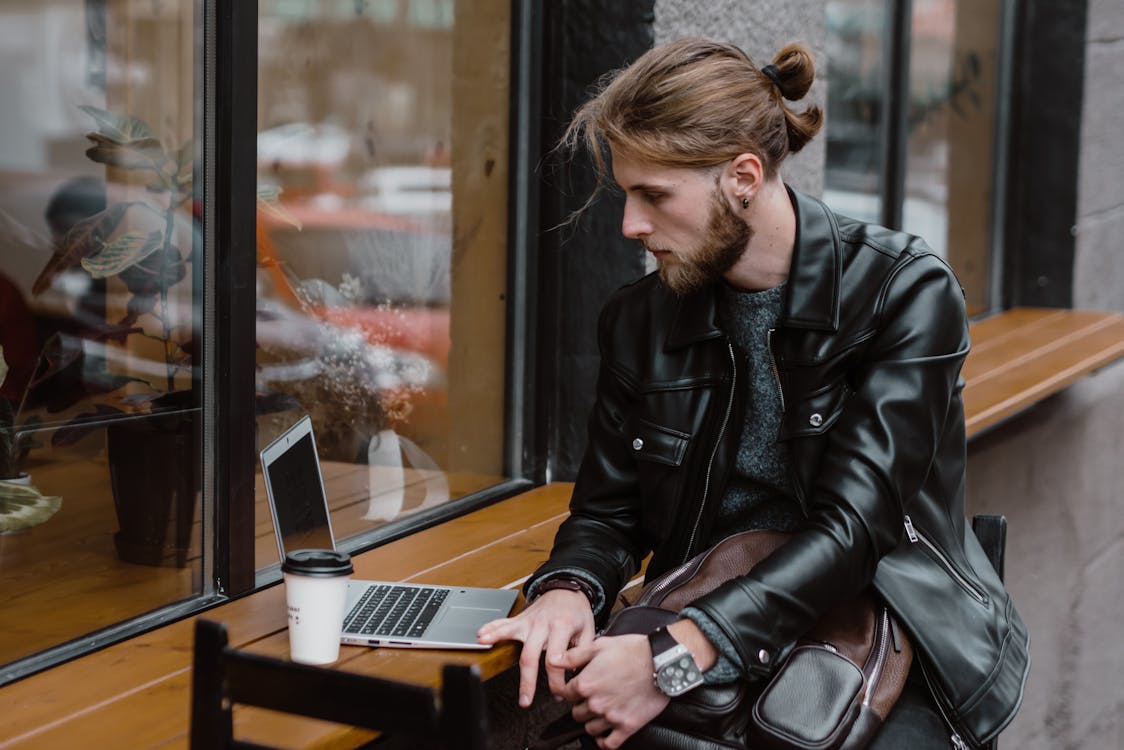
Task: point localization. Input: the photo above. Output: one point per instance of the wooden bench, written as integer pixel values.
(136, 693)
(1021, 356)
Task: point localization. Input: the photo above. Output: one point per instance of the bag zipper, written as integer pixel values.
(714, 452)
(916, 536)
(882, 648)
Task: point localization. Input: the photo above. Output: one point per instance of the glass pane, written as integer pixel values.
(382, 158)
(98, 309)
(855, 100)
(951, 149)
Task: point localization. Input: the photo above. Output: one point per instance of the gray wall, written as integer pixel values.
(1057, 473)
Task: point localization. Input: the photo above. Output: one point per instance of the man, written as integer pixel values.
(791, 369)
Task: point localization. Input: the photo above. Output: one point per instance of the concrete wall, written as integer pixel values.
(1058, 474)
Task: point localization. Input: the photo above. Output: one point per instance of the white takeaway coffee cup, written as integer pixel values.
(315, 595)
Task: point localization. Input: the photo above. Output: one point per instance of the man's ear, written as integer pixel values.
(747, 174)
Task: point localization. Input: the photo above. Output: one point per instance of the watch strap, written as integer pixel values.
(660, 640)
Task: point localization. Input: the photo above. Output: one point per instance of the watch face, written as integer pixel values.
(679, 675)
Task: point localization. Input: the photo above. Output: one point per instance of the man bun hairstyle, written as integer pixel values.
(697, 103)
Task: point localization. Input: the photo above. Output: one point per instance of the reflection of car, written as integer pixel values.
(407, 190)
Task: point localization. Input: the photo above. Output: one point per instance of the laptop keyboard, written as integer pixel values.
(396, 611)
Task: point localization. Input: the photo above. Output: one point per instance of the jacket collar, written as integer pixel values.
(814, 281)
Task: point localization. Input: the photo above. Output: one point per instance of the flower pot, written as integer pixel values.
(155, 477)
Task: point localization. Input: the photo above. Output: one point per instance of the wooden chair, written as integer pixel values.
(225, 676)
(991, 531)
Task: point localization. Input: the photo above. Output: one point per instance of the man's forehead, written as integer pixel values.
(635, 174)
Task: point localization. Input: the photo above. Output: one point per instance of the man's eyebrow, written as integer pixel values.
(648, 186)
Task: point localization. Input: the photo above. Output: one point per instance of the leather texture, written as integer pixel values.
(868, 355)
(815, 695)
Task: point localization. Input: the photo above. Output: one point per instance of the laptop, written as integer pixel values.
(378, 613)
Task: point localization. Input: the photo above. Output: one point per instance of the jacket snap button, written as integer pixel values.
(816, 419)
(637, 444)
(763, 656)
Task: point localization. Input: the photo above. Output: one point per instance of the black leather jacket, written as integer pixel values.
(868, 356)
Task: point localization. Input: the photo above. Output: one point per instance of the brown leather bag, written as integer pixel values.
(831, 690)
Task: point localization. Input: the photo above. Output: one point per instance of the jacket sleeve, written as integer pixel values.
(878, 454)
(601, 535)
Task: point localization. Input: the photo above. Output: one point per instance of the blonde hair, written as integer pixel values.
(696, 103)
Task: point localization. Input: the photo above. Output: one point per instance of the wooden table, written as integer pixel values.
(136, 694)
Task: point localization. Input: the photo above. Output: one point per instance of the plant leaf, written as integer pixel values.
(145, 153)
(83, 240)
(124, 252)
(120, 128)
(82, 425)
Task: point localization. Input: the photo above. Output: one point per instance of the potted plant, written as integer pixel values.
(21, 504)
(149, 421)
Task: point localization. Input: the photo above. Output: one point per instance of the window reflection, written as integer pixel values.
(100, 250)
(856, 98)
(950, 155)
(373, 252)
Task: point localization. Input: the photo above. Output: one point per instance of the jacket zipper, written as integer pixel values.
(714, 452)
(957, 741)
(773, 361)
(880, 659)
(916, 536)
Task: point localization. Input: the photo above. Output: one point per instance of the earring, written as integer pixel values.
(745, 202)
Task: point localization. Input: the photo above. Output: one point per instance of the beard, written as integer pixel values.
(724, 241)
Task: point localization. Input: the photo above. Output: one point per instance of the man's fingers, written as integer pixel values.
(529, 667)
(506, 629)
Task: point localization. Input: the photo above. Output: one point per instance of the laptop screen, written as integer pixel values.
(298, 498)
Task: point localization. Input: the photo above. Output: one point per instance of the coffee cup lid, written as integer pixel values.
(322, 563)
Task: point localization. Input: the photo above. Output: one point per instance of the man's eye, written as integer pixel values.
(654, 197)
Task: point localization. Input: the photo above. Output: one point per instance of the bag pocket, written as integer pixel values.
(811, 703)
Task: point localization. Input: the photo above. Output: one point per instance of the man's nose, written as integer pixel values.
(634, 224)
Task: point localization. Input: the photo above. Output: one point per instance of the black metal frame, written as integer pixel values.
(895, 115)
(231, 218)
(1045, 147)
(581, 263)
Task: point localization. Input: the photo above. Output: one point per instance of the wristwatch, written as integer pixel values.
(673, 668)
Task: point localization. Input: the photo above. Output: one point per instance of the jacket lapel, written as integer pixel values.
(815, 278)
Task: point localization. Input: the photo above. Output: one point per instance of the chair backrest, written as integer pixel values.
(225, 676)
(991, 531)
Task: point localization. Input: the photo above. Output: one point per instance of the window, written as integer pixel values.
(382, 156)
(101, 298)
(382, 304)
(918, 151)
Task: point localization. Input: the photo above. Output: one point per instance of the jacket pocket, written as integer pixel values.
(651, 442)
(659, 452)
(814, 413)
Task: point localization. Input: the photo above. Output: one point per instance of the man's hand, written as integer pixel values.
(614, 695)
(553, 623)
